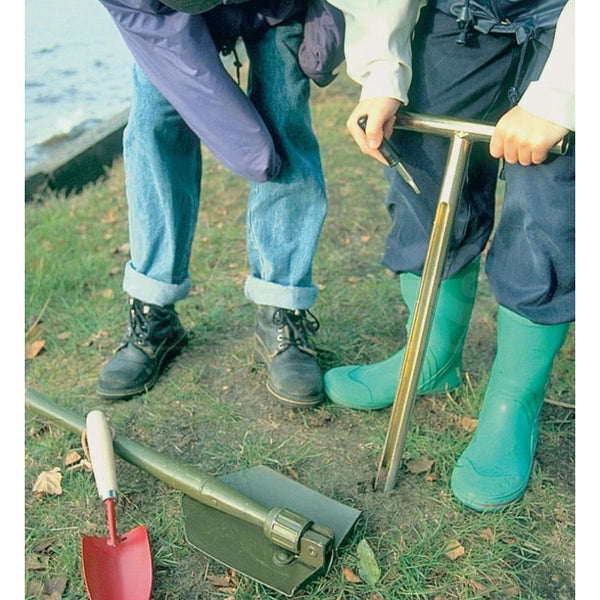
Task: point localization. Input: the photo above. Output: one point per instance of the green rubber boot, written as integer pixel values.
(494, 469)
(372, 387)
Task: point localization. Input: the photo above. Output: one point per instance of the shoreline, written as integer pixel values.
(78, 162)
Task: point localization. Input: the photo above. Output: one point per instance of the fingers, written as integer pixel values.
(380, 113)
(523, 138)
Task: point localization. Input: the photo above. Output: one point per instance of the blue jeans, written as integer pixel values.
(163, 167)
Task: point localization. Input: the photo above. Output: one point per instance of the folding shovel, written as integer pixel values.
(258, 522)
(462, 134)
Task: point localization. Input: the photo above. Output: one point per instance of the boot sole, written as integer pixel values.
(298, 402)
(166, 359)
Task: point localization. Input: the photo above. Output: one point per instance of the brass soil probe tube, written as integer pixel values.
(461, 133)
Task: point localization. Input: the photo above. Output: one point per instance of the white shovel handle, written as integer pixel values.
(100, 446)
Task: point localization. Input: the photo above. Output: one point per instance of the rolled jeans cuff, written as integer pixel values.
(152, 291)
(282, 296)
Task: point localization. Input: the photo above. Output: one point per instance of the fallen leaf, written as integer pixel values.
(49, 589)
(107, 293)
(75, 462)
(350, 576)
(513, 590)
(54, 588)
(35, 331)
(32, 349)
(421, 464)
(226, 582)
(454, 550)
(48, 482)
(72, 458)
(37, 563)
(110, 217)
(468, 424)
(368, 569)
(44, 547)
(291, 472)
(478, 588)
(488, 535)
(65, 335)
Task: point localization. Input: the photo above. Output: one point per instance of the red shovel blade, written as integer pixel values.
(121, 571)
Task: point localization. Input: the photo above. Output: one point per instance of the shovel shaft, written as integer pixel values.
(190, 481)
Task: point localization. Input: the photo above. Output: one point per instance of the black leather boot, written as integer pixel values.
(153, 338)
(294, 377)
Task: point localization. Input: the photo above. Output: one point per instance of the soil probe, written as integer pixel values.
(462, 134)
(256, 521)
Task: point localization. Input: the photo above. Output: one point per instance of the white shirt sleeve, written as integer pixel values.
(552, 96)
(377, 45)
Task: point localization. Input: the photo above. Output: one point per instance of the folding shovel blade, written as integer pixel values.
(118, 572)
(244, 547)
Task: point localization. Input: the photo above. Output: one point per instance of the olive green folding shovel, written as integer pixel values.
(256, 521)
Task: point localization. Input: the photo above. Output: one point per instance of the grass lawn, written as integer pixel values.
(211, 409)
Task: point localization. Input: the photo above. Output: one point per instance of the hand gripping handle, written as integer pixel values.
(102, 455)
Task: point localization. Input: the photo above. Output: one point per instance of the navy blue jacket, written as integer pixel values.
(522, 17)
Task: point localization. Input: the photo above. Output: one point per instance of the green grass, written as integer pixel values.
(211, 409)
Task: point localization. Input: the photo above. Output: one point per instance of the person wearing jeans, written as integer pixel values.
(285, 213)
(510, 63)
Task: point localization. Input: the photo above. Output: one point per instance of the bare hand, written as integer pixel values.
(381, 115)
(524, 138)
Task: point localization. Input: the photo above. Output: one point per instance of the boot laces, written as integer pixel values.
(294, 327)
(140, 314)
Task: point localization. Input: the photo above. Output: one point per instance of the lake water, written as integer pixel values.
(77, 72)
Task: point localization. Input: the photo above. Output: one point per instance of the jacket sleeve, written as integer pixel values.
(178, 55)
(552, 96)
(377, 45)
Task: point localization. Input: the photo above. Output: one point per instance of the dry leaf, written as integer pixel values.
(72, 458)
(107, 293)
(50, 589)
(44, 547)
(454, 550)
(350, 576)
(468, 424)
(226, 582)
(110, 217)
(291, 472)
(32, 349)
(422, 464)
(74, 462)
(54, 588)
(35, 331)
(513, 590)
(478, 588)
(488, 535)
(65, 335)
(48, 482)
(37, 563)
